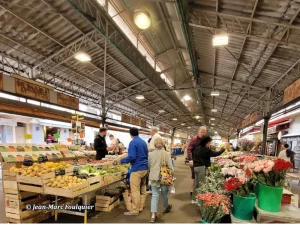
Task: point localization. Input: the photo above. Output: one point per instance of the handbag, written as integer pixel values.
(166, 174)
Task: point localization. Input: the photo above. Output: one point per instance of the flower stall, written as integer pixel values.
(252, 184)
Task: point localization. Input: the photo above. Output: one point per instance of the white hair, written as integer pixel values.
(202, 128)
(156, 129)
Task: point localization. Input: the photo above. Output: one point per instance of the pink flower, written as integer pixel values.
(257, 169)
(267, 170)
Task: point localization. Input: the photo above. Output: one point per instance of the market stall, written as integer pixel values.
(253, 185)
(60, 183)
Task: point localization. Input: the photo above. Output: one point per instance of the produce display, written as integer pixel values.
(36, 170)
(94, 171)
(65, 182)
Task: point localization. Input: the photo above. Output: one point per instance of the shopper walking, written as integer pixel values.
(138, 158)
(154, 135)
(100, 144)
(201, 159)
(156, 159)
(193, 144)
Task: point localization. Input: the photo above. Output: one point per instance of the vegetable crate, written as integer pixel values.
(69, 193)
(35, 184)
(106, 203)
(94, 183)
(16, 201)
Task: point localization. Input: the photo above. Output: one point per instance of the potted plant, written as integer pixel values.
(270, 175)
(213, 207)
(243, 200)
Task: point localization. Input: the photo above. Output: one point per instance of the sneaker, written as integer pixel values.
(131, 214)
(194, 202)
(153, 219)
(168, 209)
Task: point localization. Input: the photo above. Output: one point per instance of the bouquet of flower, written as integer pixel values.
(270, 172)
(213, 206)
(233, 172)
(246, 145)
(226, 162)
(213, 183)
(245, 158)
(237, 186)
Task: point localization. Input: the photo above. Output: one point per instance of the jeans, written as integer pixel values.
(199, 177)
(155, 197)
(138, 187)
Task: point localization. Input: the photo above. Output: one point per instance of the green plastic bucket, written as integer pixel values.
(269, 198)
(256, 189)
(243, 207)
(203, 221)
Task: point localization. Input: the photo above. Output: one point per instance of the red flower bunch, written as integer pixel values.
(281, 165)
(248, 172)
(213, 206)
(232, 184)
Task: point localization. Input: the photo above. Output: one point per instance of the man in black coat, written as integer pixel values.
(100, 144)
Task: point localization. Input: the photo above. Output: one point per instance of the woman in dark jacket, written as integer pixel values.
(201, 160)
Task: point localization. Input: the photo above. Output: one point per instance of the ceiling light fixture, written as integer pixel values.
(216, 132)
(182, 124)
(215, 93)
(197, 117)
(140, 97)
(187, 98)
(214, 110)
(174, 119)
(82, 57)
(220, 40)
(212, 119)
(189, 127)
(142, 19)
(161, 111)
(212, 124)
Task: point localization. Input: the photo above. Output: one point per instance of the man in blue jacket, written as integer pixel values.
(138, 158)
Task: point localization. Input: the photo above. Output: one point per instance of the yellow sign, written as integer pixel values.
(27, 136)
(77, 117)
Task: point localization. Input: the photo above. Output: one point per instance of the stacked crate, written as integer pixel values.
(17, 201)
(107, 202)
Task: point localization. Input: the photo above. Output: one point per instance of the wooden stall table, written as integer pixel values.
(287, 214)
(236, 220)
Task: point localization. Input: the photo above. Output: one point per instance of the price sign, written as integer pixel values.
(75, 171)
(99, 167)
(82, 176)
(27, 162)
(27, 136)
(60, 172)
(56, 136)
(42, 159)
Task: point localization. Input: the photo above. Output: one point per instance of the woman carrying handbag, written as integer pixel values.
(160, 177)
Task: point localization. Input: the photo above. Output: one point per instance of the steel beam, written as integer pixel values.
(171, 51)
(231, 81)
(240, 53)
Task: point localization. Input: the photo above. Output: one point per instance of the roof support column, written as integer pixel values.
(266, 116)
